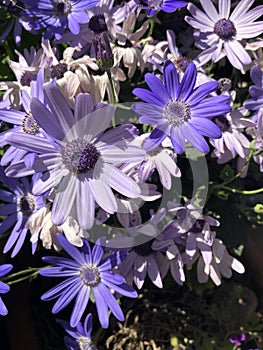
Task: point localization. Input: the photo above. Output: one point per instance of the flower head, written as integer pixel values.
(87, 271)
(179, 110)
(80, 335)
(220, 33)
(79, 159)
(58, 15)
(162, 5)
(19, 205)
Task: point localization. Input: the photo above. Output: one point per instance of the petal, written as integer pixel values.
(188, 82)
(85, 204)
(157, 87)
(80, 305)
(170, 79)
(64, 199)
(149, 97)
(194, 138)
(206, 127)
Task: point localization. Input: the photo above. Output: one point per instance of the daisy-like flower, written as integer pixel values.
(142, 260)
(162, 5)
(87, 272)
(55, 16)
(162, 159)
(19, 205)
(179, 110)
(80, 335)
(23, 121)
(220, 265)
(233, 140)
(41, 226)
(4, 288)
(255, 103)
(79, 158)
(125, 43)
(15, 19)
(220, 34)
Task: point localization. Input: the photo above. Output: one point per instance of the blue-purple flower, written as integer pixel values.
(237, 338)
(19, 205)
(79, 158)
(4, 288)
(255, 103)
(55, 16)
(180, 110)
(162, 5)
(87, 272)
(80, 335)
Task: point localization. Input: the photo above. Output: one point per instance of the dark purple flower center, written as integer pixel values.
(197, 226)
(26, 79)
(222, 123)
(224, 84)
(97, 24)
(90, 275)
(62, 7)
(225, 29)
(145, 248)
(79, 156)
(176, 112)
(58, 70)
(26, 204)
(182, 63)
(29, 125)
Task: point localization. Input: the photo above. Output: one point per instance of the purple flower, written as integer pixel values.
(80, 335)
(237, 338)
(80, 161)
(179, 110)
(87, 272)
(163, 5)
(4, 288)
(255, 103)
(19, 205)
(15, 19)
(220, 34)
(58, 15)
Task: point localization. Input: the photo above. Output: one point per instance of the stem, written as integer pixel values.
(114, 100)
(238, 174)
(151, 22)
(235, 190)
(30, 273)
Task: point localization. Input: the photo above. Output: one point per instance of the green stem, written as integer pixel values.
(235, 190)
(23, 278)
(151, 22)
(30, 273)
(114, 100)
(238, 174)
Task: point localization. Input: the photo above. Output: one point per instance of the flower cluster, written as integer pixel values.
(100, 137)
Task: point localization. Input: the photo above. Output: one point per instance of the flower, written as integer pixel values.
(79, 158)
(56, 15)
(233, 141)
(163, 5)
(142, 260)
(125, 46)
(20, 205)
(87, 272)
(237, 338)
(16, 19)
(80, 335)
(162, 159)
(4, 288)
(255, 103)
(179, 110)
(220, 34)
